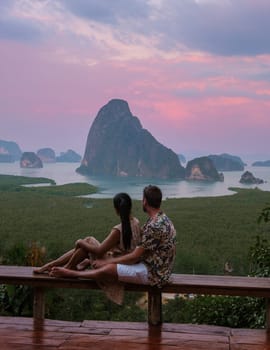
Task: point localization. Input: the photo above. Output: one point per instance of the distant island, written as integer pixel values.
(227, 162)
(249, 179)
(30, 160)
(47, 155)
(11, 152)
(69, 156)
(262, 163)
(202, 169)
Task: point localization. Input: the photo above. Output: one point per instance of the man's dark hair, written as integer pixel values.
(153, 196)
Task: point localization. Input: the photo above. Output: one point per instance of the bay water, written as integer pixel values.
(63, 173)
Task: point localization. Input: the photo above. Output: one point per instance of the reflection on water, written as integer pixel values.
(64, 173)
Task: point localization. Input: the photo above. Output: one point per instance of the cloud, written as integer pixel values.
(19, 30)
(13, 26)
(223, 27)
(218, 27)
(261, 76)
(6, 5)
(213, 91)
(109, 12)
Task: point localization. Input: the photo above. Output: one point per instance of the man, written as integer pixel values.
(152, 260)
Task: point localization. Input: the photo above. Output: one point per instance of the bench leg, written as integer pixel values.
(267, 323)
(154, 308)
(39, 304)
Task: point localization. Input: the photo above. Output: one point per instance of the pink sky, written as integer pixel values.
(196, 73)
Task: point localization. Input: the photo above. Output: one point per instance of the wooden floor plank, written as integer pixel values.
(170, 327)
(99, 344)
(241, 338)
(29, 340)
(249, 347)
(22, 334)
(123, 344)
(28, 347)
(129, 346)
(195, 328)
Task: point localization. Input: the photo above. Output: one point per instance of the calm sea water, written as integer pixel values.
(64, 173)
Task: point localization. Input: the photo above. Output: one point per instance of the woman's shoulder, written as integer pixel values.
(118, 227)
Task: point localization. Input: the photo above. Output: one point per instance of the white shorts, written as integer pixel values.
(136, 273)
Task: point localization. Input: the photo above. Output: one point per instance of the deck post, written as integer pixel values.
(267, 323)
(154, 307)
(38, 304)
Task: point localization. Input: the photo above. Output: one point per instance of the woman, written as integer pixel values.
(122, 239)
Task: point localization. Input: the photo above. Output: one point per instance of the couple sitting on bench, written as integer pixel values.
(128, 254)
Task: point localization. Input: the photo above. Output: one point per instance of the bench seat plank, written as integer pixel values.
(180, 283)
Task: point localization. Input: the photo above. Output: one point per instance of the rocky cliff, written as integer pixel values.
(117, 145)
(30, 160)
(202, 169)
(249, 179)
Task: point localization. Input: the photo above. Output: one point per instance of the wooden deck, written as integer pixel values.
(24, 334)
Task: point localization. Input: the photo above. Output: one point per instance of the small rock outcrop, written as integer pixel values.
(69, 156)
(202, 169)
(9, 151)
(117, 145)
(47, 155)
(227, 162)
(30, 160)
(261, 163)
(249, 179)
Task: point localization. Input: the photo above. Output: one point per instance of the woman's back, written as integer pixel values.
(135, 239)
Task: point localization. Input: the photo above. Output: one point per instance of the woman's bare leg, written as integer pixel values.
(71, 259)
(87, 261)
(107, 272)
(62, 260)
(77, 257)
(84, 264)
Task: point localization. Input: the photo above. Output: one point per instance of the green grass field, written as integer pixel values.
(210, 230)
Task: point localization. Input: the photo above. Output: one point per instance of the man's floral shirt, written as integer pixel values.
(158, 241)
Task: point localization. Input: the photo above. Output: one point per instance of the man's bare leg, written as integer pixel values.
(62, 260)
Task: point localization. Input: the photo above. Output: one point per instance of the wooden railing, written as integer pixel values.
(180, 284)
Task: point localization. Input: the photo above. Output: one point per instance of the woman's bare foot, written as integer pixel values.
(83, 265)
(62, 272)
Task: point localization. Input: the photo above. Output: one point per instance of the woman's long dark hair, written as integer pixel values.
(123, 204)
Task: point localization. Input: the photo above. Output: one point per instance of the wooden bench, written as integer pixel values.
(180, 284)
